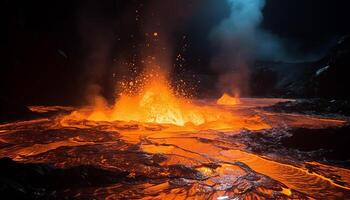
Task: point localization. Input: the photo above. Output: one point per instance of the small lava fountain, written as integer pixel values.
(156, 101)
(226, 99)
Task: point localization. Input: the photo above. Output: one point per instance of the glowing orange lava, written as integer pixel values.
(155, 102)
(228, 100)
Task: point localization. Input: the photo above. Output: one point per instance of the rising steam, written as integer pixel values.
(240, 40)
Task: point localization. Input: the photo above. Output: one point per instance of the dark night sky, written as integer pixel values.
(94, 34)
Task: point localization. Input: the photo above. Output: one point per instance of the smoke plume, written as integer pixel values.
(240, 40)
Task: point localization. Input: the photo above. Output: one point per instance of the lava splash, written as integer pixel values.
(155, 101)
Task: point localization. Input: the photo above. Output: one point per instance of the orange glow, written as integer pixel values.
(150, 100)
(216, 160)
(228, 100)
(155, 101)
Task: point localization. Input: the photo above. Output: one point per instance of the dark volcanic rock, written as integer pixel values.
(41, 181)
(332, 80)
(328, 145)
(313, 106)
(264, 82)
(326, 78)
(281, 79)
(10, 110)
(333, 140)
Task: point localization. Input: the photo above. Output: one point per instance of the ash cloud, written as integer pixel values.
(240, 41)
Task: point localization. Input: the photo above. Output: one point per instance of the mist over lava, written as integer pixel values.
(240, 40)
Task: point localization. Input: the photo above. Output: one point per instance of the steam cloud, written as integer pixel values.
(240, 40)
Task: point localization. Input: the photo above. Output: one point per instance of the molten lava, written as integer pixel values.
(203, 151)
(228, 100)
(151, 99)
(155, 103)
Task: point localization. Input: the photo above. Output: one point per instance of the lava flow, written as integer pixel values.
(156, 144)
(157, 102)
